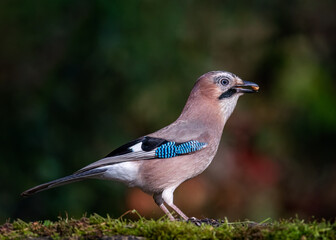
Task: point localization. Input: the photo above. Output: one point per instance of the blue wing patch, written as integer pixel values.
(173, 149)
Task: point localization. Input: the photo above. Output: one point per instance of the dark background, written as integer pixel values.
(80, 78)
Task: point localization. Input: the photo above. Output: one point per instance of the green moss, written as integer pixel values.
(95, 226)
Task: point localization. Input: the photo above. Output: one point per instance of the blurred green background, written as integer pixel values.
(79, 78)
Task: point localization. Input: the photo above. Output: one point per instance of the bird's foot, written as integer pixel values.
(208, 221)
(217, 223)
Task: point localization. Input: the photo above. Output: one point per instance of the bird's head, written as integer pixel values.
(225, 85)
(224, 88)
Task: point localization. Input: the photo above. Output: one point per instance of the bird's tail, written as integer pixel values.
(63, 181)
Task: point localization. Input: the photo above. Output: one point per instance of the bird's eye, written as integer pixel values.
(224, 81)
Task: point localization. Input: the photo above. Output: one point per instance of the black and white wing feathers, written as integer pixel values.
(146, 148)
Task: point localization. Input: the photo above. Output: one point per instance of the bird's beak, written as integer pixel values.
(246, 87)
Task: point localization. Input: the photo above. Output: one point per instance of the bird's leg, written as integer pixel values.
(159, 201)
(167, 197)
(163, 207)
(177, 210)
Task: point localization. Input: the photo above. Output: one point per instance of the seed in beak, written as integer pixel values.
(255, 88)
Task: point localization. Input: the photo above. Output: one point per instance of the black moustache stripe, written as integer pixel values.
(227, 94)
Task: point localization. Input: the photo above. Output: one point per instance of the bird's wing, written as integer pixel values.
(146, 148)
(182, 131)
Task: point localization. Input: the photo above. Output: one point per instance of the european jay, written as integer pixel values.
(159, 162)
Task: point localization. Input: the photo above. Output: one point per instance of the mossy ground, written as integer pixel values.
(95, 227)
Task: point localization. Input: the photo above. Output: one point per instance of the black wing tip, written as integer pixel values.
(33, 190)
(25, 194)
(124, 149)
(30, 192)
(62, 181)
(148, 144)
